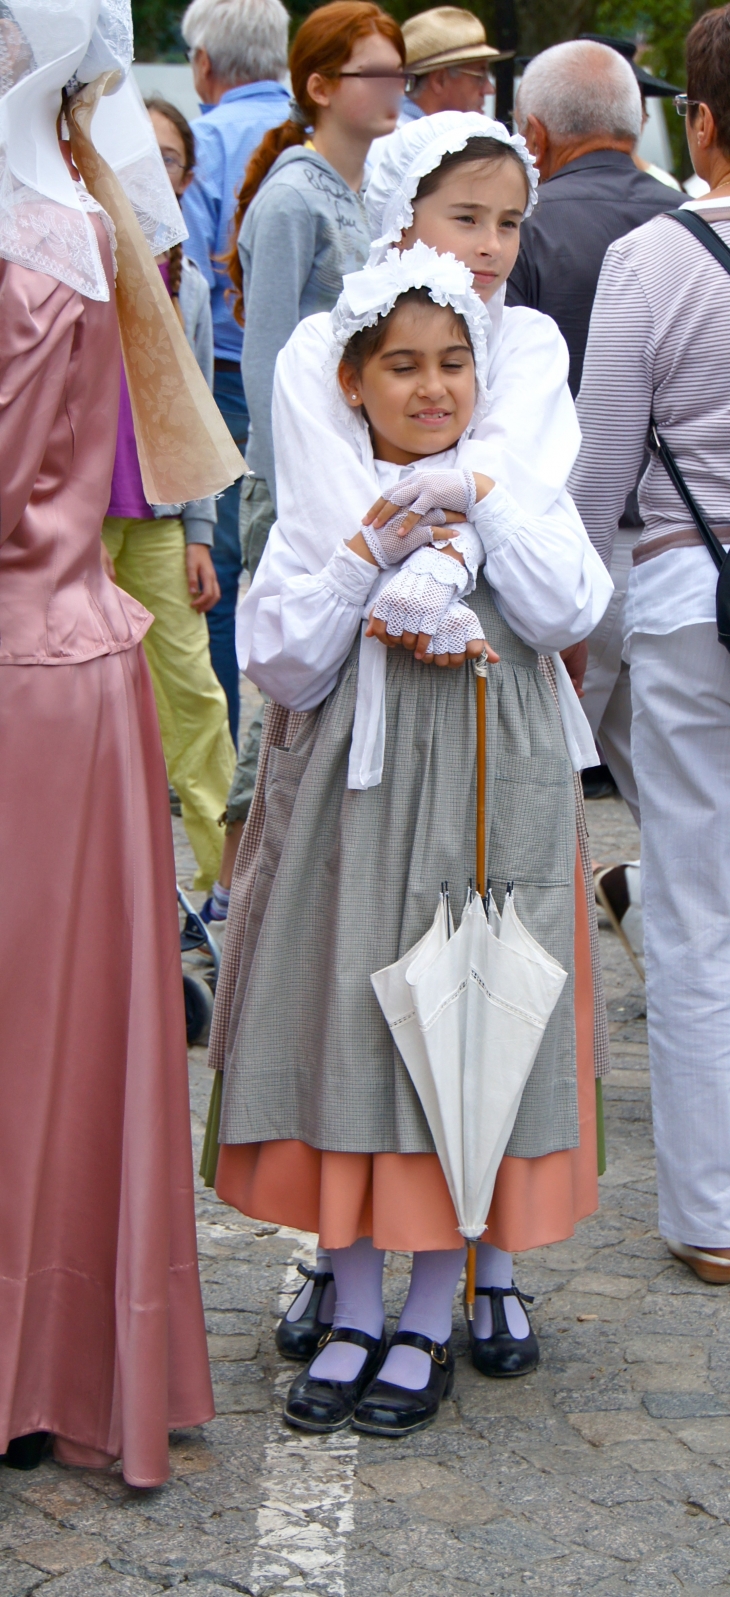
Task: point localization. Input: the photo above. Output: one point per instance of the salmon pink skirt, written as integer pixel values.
(102, 1338)
(401, 1200)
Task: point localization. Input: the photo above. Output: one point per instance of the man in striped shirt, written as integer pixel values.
(658, 347)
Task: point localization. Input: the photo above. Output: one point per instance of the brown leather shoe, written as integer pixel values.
(711, 1267)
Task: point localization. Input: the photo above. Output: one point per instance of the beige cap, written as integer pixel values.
(443, 37)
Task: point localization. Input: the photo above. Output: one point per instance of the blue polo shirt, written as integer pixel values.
(225, 138)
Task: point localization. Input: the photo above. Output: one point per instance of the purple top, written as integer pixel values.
(127, 495)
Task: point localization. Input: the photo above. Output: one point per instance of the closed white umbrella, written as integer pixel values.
(468, 1013)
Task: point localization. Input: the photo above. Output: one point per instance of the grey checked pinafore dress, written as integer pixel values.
(347, 881)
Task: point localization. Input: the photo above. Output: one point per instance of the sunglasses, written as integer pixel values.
(682, 104)
(407, 80)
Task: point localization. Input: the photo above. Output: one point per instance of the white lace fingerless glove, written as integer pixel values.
(457, 627)
(429, 491)
(420, 593)
(388, 548)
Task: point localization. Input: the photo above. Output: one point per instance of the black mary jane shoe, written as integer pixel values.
(502, 1354)
(389, 1410)
(324, 1405)
(300, 1339)
(25, 1452)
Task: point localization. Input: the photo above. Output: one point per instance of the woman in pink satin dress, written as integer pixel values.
(102, 1338)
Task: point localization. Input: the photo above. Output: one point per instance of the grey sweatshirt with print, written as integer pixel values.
(302, 232)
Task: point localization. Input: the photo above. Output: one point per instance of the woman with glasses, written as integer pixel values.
(299, 227)
(658, 350)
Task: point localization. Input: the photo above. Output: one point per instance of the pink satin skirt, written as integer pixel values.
(102, 1339)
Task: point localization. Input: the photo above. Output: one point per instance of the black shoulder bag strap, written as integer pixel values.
(706, 235)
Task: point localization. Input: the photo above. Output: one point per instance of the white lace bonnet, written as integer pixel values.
(417, 149)
(44, 46)
(373, 291)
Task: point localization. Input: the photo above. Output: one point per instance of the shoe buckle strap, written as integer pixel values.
(349, 1333)
(313, 1275)
(504, 1292)
(436, 1350)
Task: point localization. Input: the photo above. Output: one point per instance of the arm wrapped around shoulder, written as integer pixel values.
(551, 586)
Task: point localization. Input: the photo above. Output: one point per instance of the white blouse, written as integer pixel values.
(299, 619)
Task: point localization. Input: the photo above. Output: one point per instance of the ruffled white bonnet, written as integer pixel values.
(418, 148)
(373, 291)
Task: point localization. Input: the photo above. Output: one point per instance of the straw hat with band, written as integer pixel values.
(446, 36)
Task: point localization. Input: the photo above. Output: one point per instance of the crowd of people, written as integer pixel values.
(478, 378)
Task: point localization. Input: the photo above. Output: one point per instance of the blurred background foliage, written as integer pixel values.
(660, 27)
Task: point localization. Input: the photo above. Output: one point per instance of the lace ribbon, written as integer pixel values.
(185, 449)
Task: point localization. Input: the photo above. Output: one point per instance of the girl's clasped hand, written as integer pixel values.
(414, 514)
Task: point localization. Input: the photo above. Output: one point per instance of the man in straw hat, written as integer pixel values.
(447, 51)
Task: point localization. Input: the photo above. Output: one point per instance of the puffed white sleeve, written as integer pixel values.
(549, 583)
(294, 628)
(529, 438)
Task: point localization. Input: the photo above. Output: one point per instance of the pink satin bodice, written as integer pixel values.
(59, 398)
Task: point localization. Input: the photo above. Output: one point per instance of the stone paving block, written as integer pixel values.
(685, 1565)
(19, 1580)
(235, 1322)
(608, 1286)
(669, 1378)
(233, 1347)
(603, 1430)
(711, 1436)
(99, 1583)
(17, 1527)
(513, 1538)
(433, 1490)
(580, 1574)
(684, 1405)
(664, 1350)
(56, 1555)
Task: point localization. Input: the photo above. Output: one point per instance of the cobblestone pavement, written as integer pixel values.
(605, 1472)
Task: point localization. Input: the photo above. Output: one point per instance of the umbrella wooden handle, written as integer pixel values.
(480, 669)
(471, 1279)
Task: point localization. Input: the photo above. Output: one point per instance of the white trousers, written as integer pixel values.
(680, 688)
(606, 686)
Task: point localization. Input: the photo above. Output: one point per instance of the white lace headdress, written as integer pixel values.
(417, 149)
(123, 133)
(372, 292)
(412, 152)
(44, 46)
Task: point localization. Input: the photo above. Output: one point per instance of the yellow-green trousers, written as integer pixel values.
(149, 558)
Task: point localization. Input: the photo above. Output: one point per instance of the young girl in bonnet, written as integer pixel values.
(369, 808)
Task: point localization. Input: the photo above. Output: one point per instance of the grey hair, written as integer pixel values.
(245, 39)
(581, 89)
